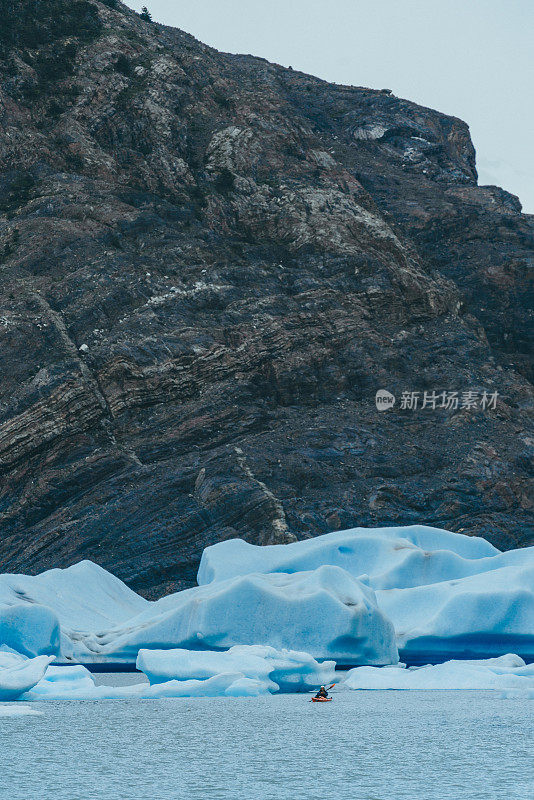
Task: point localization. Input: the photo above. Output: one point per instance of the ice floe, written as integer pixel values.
(222, 685)
(19, 710)
(278, 670)
(506, 672)
(77, 683)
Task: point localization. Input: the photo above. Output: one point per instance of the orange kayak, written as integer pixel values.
(321, 699)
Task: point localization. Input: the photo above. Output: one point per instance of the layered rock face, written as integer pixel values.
(210, 264)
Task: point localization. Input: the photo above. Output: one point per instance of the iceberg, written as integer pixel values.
(448, 595)
(19, 674)
(32, 630)
(477, 617)
(278, 670)
(503, 673)
(326, 613)
(356, 597)
(84, 598)
(391, 557)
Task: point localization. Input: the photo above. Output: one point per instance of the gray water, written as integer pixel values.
(362, 746)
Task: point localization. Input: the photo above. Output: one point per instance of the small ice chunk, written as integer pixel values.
(59, 682)
(19, 710)
(517, 694)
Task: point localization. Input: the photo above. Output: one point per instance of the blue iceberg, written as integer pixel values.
(392, 558)
(448, 595)
(57, 608)
(32, 630)
(481, 616)
(326, 613)
(19, 674)
(356, 597)
(277, 670)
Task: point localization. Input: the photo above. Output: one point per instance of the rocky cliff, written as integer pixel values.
(210, 264)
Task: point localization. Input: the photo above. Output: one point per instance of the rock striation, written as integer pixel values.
(210, 264)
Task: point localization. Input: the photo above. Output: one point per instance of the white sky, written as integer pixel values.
(470, 58)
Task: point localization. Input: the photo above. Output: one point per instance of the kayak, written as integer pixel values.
(322, 699)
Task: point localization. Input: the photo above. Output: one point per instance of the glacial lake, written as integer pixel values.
(363, 746)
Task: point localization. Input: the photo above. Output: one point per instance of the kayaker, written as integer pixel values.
(322, 692)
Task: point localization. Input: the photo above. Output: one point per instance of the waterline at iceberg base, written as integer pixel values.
(250, 671)
(263, 618)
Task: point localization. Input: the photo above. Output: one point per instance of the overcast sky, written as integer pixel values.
(469, 58)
